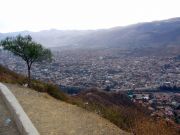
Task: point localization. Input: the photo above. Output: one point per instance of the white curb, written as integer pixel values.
(22, 121)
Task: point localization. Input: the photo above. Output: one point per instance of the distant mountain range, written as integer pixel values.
(163, 33)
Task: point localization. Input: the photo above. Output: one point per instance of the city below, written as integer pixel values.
(103, 69)
(152, 81)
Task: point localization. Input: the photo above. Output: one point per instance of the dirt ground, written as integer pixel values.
(54, 117)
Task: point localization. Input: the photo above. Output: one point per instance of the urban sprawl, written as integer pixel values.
(114, 71)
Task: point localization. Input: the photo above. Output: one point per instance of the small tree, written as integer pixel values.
(27, 49)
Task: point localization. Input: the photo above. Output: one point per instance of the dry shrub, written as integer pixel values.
(8, 76)
(146, 126)
(51, 89)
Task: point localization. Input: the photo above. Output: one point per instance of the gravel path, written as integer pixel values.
(7, 126)
(54, 117)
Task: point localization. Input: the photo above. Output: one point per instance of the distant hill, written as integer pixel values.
(151, 34)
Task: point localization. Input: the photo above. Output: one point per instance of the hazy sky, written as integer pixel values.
(35, 15)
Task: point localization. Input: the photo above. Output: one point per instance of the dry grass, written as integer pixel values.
(54, 117)
(125, 114)
(149, 127)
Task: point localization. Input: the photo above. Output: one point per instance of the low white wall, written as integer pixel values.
(22, 121)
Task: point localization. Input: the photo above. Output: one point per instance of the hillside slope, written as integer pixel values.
(150, 34)
(54, 117)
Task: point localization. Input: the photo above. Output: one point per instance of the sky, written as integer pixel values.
(36, 15)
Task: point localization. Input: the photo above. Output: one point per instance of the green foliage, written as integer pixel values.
(27, 49)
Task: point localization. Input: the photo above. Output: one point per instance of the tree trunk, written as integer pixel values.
(29, 75)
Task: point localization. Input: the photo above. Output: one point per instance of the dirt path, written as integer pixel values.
(54, 117)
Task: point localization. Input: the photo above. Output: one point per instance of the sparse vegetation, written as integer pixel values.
(8, 76)
(118, 109)
(146, 126)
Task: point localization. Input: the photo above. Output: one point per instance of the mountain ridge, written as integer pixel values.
(147, 34)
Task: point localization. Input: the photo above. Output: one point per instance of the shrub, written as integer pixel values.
(55, 92)
(51, 89)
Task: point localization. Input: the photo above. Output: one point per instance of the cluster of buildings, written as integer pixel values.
(160, 104)
(101, 69)
(111, 71)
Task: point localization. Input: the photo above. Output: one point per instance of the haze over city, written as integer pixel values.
(35, 15)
